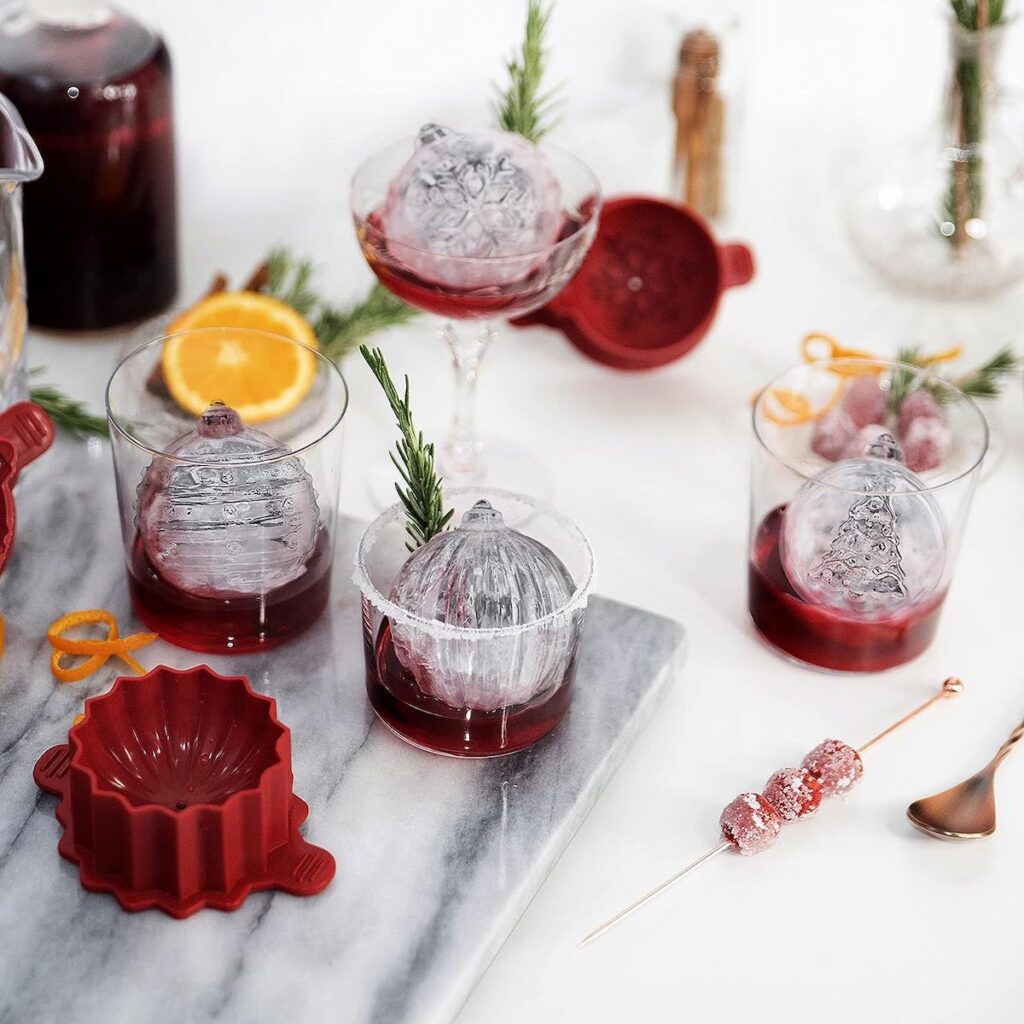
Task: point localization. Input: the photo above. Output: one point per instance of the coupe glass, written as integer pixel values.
(504, 287)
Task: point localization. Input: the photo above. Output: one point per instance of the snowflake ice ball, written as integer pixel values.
(465, 196)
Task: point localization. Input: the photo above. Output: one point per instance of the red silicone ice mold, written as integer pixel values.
(176, 793)
(649, 288)
(26, 431)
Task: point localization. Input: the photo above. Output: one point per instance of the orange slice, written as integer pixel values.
(261, 377)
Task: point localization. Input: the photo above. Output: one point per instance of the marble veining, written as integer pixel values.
(437, 857)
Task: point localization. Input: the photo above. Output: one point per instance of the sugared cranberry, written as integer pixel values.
(918, 405)
(793, 792)
(864, 401)
(750, 823)
(837, 766)
(832, 434)
(925, 444)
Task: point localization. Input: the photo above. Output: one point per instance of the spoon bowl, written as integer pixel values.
(968, 810)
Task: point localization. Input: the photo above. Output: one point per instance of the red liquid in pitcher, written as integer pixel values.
(509, 299)
(824, 636)
(231, 625)
(100, 224)
(433, 725)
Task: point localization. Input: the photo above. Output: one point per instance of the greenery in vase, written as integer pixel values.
(967, 102)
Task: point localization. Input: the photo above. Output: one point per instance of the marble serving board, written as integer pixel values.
(437, 857)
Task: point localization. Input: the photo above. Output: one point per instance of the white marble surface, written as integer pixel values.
(437, 857)
(853, 916)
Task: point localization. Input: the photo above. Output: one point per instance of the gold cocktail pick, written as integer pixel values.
(950, 688)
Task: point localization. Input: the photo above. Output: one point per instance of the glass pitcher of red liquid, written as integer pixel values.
(94, 89)
(19, 162)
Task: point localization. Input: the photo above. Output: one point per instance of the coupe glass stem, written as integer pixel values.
(462, 457)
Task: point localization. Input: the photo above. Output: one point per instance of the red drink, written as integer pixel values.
(100, 224)
(233, 625)
(542, 276)
(433, 725)
(825, 636)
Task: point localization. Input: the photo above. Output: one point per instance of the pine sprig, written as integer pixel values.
(422, 497)
(338, 330)
(523, 107)
(68, 413)
(986, 381)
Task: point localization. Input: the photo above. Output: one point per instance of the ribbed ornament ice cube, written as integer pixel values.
(486, 576)
(228, 513)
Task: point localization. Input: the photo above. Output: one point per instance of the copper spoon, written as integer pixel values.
(967, 811)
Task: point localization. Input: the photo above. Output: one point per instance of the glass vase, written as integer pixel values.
(943, 215)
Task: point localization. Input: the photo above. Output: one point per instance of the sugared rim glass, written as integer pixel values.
(442, 630)
(590, 213)
(128, 436)
(881, 366)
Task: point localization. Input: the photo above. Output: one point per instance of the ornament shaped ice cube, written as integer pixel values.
(473, 196)
(864, 535)
(230, 512)
(485, 576)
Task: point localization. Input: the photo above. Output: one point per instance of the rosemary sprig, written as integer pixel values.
(523, 107)
(985, 381)
(422, 497)
(338, 330)
(68, 413)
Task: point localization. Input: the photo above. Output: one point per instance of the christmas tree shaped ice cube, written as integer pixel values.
(228, 512)
(864, 535)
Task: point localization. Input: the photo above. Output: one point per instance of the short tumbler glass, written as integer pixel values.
(243, 562)
(851, 556)
(459, 660)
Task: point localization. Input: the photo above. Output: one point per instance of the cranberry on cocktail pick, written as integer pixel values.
(751, 823)
(793, 792)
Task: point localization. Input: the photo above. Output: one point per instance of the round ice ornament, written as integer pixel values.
(750, 823)
(864, 535)
(472, 196)
(486, 577)
(836, 765)
(228, 512)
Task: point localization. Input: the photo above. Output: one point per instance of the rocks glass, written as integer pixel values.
(471, 691)
(863, 474)
(228, 527)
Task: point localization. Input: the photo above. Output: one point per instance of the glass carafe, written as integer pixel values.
(19, 162)
(94, 88)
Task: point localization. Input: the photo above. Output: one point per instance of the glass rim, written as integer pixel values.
(443, 630)
(137, 442)
(885, 364)
(595, 194)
